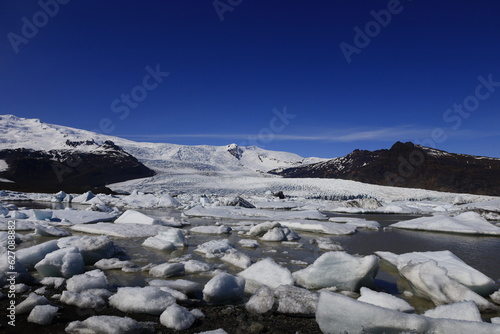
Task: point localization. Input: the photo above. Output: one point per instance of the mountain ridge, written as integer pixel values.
(410, 166)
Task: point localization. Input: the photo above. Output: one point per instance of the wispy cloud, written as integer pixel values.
(388, 134)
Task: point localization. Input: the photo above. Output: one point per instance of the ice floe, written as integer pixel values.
(320, 227)
(121, 230)
(92, 248)
(466, 310)
(296, 301)
(221, 229)
(273, 231)
(262, 301)
(167, 240)
(65, 262)
(456, 268)
(337, 313)
(428, 280)
(224, 288)
(42, 314)
(340, 270)
(467, 222)
(105, 324)
(235, 212)
(177, 317)
(386, 300)
(150, 300)
(266, 272)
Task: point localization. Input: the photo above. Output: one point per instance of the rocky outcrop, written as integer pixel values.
(411, 166)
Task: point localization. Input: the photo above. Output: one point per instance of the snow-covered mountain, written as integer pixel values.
(33, 134)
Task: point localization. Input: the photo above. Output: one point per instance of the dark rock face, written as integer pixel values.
(411, 166)
(70, 171)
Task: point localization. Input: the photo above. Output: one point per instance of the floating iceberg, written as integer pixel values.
(337, 313)
(386, 300)
(149, 300)
(224, 289)
(266, 272)
(340, 270)
(467, 222)
(457, 269)
(431, 281)
(121, 230)
(65, 262)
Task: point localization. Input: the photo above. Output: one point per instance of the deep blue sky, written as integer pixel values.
(226, 77)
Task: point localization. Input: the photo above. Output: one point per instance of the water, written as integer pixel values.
(480, 252)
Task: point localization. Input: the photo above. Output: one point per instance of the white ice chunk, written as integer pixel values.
(237, 258)
(431, 281)
(167, 201)
(83, 217)
(262, 301)
(47, 230)
(104, 324)
(113, 263)
(167, 240)
(94, 279)
(179, 296)
(237, 212)
(222, 229)
(296, 301)
(30, 302)
(457, 269)
(273, 231)
(65, 262)
(358, 222)
(266, 272)
(467, 311)
(467, 222)
(328, 244)
(42, 314)
(40, 214)
(92, 298)
(337, 313)
(185, 286)
(339, 269)
(168, 270)
(136, 217)
(177, 317)
(496, 297)
(215, 331)
(149, 300)
(34, 254)
(248, 243)
(386, 300)
(55, 282)
(121, 230)
(214, 248)
(195, 266)
(93, 249)
(320, 227)
(224, 289)
(83, 197)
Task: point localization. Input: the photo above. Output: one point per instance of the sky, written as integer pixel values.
(317, 77)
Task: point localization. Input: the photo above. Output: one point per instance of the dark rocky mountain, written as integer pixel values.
(69, 170)
(411, 166)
